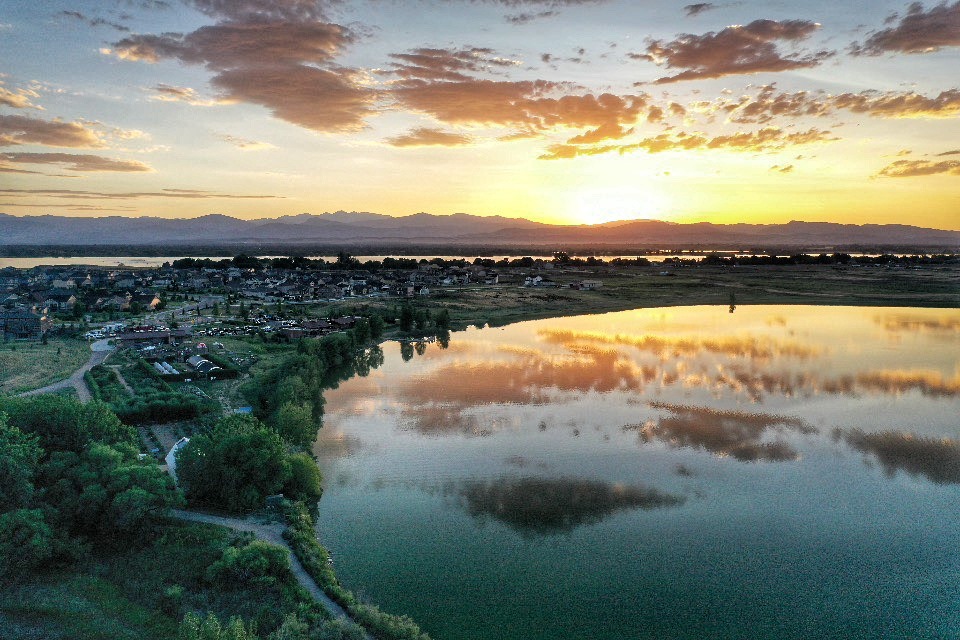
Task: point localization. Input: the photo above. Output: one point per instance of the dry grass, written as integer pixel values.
(29, 365)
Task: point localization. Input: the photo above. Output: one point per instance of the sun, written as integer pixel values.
(597, 205)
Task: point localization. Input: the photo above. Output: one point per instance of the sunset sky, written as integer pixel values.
(564, 111)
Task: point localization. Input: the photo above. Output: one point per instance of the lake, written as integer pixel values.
(692, 472)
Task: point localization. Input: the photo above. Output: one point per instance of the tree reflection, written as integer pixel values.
(544, 506)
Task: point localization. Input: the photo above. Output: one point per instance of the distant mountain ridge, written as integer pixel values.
(348, 228)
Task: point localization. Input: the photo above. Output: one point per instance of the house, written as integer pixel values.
(171, 457)
(20, 324)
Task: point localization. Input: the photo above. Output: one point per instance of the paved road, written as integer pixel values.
(101, 349)
(272, 533)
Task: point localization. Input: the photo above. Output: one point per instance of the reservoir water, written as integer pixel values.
(693, 472)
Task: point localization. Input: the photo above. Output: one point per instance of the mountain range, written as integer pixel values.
(352, 228)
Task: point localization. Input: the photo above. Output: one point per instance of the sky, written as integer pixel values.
(561, 111)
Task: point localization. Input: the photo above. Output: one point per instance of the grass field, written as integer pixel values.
(120, 594)
(28, 365)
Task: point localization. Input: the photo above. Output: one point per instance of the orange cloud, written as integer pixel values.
(913, 168)
(77, 162)
(71, 194)
(19, 99)
(17, 130)
(766, 139)
(426, 137)
(169, 93)
(734, 50)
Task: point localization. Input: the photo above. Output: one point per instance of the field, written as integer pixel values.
(28, 365)
(631, 287)
(120, 594)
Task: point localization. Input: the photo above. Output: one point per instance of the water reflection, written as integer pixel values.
(737, 434)
(668, 347)
(937, 459)
(543, 506)
(730, 449)
(900, 322)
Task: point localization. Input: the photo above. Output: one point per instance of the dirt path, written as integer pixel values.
(123, 381)
(272, 533)
(101, 350)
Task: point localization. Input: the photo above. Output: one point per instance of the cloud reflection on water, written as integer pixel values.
(937, 459)
(737, 434)
(544, 506)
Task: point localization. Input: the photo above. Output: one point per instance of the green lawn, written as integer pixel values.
(29, 365)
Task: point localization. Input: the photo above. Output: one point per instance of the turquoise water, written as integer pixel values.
(775, 472)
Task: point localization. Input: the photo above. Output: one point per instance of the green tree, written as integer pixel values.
(442, 320)
(295, 424)
(66, 424)
(26, 541)
(305, 483)
(210, 628)
(106, 491)
(235, 466)
(406, 318)
(376, 326)
(19, 455)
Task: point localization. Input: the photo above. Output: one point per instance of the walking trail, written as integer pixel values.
(272, 533)
(100, 350)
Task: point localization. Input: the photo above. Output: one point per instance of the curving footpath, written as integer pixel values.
(101, 350)
(272, 533)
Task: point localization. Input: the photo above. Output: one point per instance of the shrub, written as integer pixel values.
(258, 562)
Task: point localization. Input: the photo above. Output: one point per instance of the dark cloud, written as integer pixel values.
(524, 18)
(427, 137)
(545, 506)
(94, 22)
(937, 459)
(273, 54)
(430, 64)
(696, 9)
(318, 99)
(736, 434)
(71, 194)
(782, 168)
(955, 152)
(769, 104)
(913, 168)
(900, 104)
(76, 162)
(918, 31)
(734, 50)
(17, 130)
(234, 45)
(286, 10)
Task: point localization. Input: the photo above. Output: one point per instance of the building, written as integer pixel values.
(171, 458)
(20, 324)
